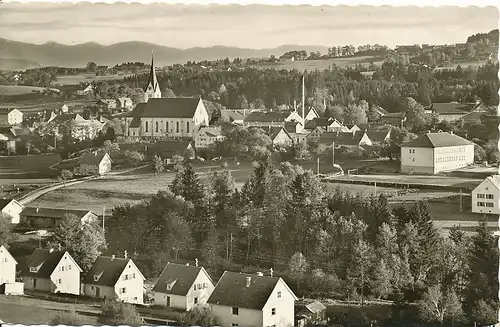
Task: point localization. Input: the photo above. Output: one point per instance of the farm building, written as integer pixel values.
(11, 210)
(252, 300)
(124, 103)
(232, 116)
(330, 124)
(313, 313)
(183, 287)
(177, 117)
(436, 152)
(453, 110)
(315, 134)
(485, 197)
(50, 217)
(170, 148)
(51, 271)
(294, 127)
(394, 119)
(94, 163)
(311, 114)
(273, 118)
(278, 135)
(350, 140)
(112, 277)
(379, 136)
(208, 135)
(10, 117)
(106, 103)
(88, 90)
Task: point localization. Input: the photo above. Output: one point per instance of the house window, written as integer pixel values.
(33, 269)
(166, 126)
(413, 159)
(5, 260)
(235, 311)
(96, 278)
(187, 127)
(204, 285)
(177, 128)
(235, 325)
(91, 288)
(59, 281)
(133, 275)
(146, 127)
(273, 311)
(279, 294)
(490, 196)
(69, 267)
(196, 300)
(122, 290)
(195, 287)
(480, 204)
(480, 196)
(125, 277)
(62, 268)
(489, 204)
(156, 126)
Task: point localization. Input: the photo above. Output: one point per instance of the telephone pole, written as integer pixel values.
(103, 216)
(317, 165)
(460, 200)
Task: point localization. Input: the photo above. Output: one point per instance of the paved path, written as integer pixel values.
(33, 195)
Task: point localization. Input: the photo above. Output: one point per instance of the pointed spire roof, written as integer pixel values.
(152, 75)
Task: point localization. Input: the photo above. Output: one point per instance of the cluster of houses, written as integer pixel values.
(236, 299)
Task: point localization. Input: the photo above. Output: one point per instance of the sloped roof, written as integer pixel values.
(380, 110)
(453, 108)
(108, 269)
(291, 125)
(495, 179)
(315, 307)
(377, 136)
(52, 212)
(46, 260)
(136, 122)
(231, 115)
(92, 158)
(341, 138)
(231, 290)
(437, 140)
(168, 148)
(273, 116)
(167, 108)
(5, 202)
(471, 116)
(181, 276)
(4, 250)
(272, 131)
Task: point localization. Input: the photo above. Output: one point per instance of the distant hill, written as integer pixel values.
(17, 64)
(492, 37)
(56, 54)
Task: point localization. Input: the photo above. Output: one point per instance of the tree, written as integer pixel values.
(298, 266)
(484, 313)
(199, 316)
(479, 154)
(168, 93)
(91, 67)
(133, 158)
(158, 166)
(301, 151)
(85, 242)
(66, 174)
(6, 235)
(114, 312)
(110, 147)
(381, 281)
(438, 307)
(70, 318)
(416, 117)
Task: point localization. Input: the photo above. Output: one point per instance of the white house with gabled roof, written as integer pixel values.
(486, 196)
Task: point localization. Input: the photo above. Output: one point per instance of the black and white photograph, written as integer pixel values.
(249, 165)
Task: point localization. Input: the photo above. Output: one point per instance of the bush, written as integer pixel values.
(70, 318)
(66, 174)
(133, 158)
(199, 316)
(114, 312)
(484, 314)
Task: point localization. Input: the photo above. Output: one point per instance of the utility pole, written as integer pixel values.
(103, 213)
(375, 189)
(460, 200)
(317, 163)
(333, 153)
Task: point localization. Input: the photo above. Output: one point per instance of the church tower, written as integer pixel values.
(153, 88)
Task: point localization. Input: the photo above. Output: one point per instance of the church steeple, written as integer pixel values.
(153, 88)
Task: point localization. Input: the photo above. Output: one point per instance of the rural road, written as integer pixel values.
(33, 195)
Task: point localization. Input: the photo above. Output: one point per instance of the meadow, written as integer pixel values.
(88, 78)
(19, 89)
(323, 64)
(47, 103)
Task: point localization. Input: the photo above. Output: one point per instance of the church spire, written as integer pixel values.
(152, 75)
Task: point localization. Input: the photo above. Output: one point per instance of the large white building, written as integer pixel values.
(486, 196)
(432, 153)
(11, 117)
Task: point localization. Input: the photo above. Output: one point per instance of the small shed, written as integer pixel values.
(95, 163)
(16, 288)
(313, 313)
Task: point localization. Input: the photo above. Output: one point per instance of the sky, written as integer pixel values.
(251, 26)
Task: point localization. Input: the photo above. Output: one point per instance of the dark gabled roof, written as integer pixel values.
(92, 158)
(472, 116)
(437, 140)
(45, 260)
(135, 123)
(274, 116)
(108, 270)
(168, 148)
(377, 136)
(52, 212)
(393, 115)
(291, 125)
(231, 115)
(272, 131)
(315, 307)
(380, 110)
(231, 290)
(4, 202)
(453, 108)
(341, 138)
(181, 276)
(167, 108)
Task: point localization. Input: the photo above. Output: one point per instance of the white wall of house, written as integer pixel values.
(294, 116)
(417, 160)
(310, 115)
(245, 317)
(130, 286)
(12, 212)
(200, 291)
(451, 158)
(486, 198)
(15, 117)
(66, 276)
(282, 138)
(7, 266)
(105, 165)
(282, 301)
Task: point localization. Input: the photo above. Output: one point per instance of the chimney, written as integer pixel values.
(125, 254)
(295, 105)
(451, 132)
(196, 262)
(353, 132)
(260, 274)
(337, 133)
(271, 272)
(249, 280)
(113, 257)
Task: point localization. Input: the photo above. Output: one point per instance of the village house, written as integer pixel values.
(311, 114)
(175, 117)
(94, 163)
(432, 153)
(10, 117)
(115, 278)
(453, 110)
(169, 148)
(232, 116)
(395, 119)
(51, 271)
(79, 128)
(485, 197)
(246, 300)
(352, 141)
(88, 90)
(278, 135)
(11, 210)
(208, 135)
(314, 134)
(106, 103)
(379, 136)
(313, 313)
(294, 127)
(271, 118)
(183, 287)
(381, 112)
(353, 128)
(330, 124)
(8, 264)
(10, 136)
(37, 217)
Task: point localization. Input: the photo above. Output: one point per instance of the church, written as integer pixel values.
(160, 117)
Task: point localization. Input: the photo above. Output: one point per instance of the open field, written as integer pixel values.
(323, 63)
(19, 89)
(29, 311)
(27, 167)
(464, 64)
(87, 78)
(33, 106)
